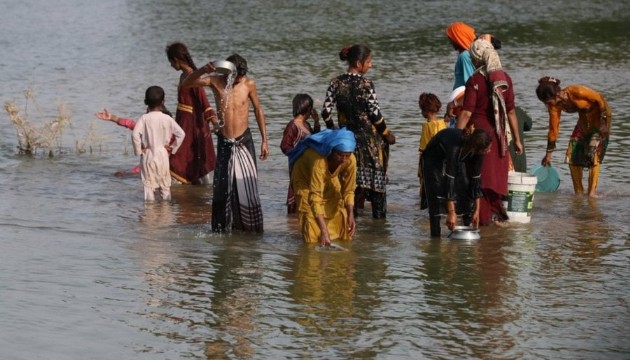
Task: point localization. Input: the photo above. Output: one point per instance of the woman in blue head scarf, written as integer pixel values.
(323, 177)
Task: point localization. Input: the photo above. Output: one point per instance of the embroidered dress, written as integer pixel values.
(196, 158)
(235, 200)
(358, 110)
(494, 174)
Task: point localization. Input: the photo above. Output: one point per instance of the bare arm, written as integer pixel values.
(260, 119)
(195, 80)
(518, 146)
(463, 119)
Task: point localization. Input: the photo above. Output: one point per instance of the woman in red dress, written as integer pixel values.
(196, 157)
(489, 105)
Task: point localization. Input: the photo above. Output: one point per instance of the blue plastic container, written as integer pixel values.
(548, 178)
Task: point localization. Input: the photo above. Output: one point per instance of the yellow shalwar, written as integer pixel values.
(317, 191)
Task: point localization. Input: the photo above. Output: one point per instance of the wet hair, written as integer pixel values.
(154, 96)
(302, 104)
(548, 88)
(179, 51)
(429, 102)
(479, 140)
(354, 54)
(240, 63)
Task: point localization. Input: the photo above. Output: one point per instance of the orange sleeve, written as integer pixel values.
(554, 126)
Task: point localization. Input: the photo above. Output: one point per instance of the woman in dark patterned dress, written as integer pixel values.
(358, 110)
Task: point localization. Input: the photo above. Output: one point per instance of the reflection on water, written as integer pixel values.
(86, 266)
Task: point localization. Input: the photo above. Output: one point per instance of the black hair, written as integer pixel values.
(478, 141)
(179, 51)
(154, 96)
(240, 63)
(354, 54)
(548, 88)
(302, 104)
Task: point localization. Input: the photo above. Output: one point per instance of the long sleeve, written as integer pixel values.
(317, 185)
(136, 137)
(475, 177)
(554, 126)
(348, 181)
(290, 138)
(209, 114)
(329, 104)
(452, 162)
(126, 122)
(376, 118)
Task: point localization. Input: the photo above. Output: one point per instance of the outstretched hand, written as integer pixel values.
(106, 115)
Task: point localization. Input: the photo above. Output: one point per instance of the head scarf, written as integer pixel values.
(461, 34)
(482, 51)
(324, 142)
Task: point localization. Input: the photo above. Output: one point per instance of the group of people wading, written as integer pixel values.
(465, 156)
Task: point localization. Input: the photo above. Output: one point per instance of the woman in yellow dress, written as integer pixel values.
(589, 139)
(323, 177)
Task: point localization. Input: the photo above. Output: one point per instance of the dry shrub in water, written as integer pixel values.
(32, 137)
(91, 139)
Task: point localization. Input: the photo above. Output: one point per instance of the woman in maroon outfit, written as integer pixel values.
(489, 105)
(196, 158)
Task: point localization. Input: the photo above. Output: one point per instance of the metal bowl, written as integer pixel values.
(464, 233)
(224, 67)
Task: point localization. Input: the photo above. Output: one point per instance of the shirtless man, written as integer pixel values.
(235, 200)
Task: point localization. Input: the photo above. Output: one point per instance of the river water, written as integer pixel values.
(88, 271)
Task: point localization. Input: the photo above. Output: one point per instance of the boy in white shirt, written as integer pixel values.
(151, 139)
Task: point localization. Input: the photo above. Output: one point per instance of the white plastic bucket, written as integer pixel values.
(520, 199)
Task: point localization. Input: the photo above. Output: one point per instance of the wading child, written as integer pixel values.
(430, 105)
(295, 131)
(129, 124)
(151, 140)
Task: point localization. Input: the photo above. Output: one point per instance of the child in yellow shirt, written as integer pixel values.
(430, 106)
